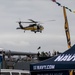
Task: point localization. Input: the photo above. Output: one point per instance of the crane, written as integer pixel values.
(66, 28)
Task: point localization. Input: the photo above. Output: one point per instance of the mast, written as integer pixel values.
(66, 28)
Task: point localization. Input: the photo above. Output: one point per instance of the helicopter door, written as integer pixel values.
(35, 27)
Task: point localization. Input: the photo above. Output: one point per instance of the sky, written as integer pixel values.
(52, 37)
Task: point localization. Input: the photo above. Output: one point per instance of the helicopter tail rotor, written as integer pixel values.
(21, 27)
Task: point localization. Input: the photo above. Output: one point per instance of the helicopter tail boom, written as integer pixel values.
(18, 28)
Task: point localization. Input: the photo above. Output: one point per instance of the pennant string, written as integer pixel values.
(62, 6)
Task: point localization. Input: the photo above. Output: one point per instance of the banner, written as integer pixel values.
(62, 72)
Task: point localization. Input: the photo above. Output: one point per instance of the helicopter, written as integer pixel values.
(34, 26)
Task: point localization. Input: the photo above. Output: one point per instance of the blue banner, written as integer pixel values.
(62, 72)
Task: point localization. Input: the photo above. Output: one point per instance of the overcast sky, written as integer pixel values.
(53, 36)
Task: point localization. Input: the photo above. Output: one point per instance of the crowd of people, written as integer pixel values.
(48, 54)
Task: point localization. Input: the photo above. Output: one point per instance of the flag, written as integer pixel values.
(54, 0)
(38, 48)
(59, 4)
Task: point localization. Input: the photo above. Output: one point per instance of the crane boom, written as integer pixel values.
(66, 28)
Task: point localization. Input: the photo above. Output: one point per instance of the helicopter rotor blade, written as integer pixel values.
(26, 22)
(33, 21)
(51, 20)
(23, 22)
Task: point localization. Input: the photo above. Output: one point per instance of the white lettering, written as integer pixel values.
(59, 58)
(73, 57)
(43, 67)
(66, 57)
(69, 58)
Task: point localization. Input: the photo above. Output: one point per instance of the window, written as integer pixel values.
(5, 73)
(15, 73)
(24, 74)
